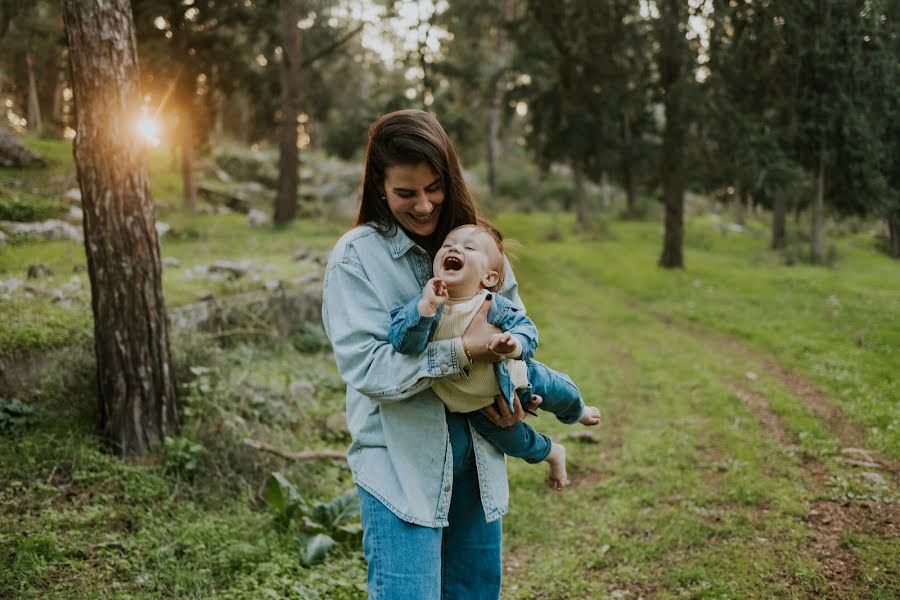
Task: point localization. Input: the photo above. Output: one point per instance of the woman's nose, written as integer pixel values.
(423, 204)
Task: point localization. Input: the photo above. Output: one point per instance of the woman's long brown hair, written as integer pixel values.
(413, 137)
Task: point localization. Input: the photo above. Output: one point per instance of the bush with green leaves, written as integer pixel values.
(15, 415)
(321, 525)
(310, 338)
(182, 457)
(24, 207)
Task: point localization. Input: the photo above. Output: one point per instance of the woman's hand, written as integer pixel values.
(499, 414)
(479, 334)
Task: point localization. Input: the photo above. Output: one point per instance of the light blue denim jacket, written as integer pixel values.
(401, 449)
(410, 332)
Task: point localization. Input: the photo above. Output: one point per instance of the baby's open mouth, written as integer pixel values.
(453, 263)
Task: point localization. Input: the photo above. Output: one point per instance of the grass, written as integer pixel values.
(685, 494)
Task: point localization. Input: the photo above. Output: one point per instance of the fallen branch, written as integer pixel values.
(305, 455)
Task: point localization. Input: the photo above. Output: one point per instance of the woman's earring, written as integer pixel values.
(383, 197)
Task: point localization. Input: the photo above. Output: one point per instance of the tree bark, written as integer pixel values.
(816, 215)
(188, 185)
(894, 236)
(628, 170)
(34, 105)
(740, 204)
(779, 222)
(581, 212)
(135, 384)
(493, 141)
(289, 154)
(671, 61)
(502, 59)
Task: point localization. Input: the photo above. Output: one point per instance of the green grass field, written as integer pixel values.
(748, 449)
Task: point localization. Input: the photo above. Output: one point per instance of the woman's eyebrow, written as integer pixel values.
(403, 189)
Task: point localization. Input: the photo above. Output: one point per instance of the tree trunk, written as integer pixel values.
(501, 55)
(216, 105)
(493, 141)
(188, 185)
(605, 190)
(628, 170)
(816, 216)
(779, 222)
(289, 155)
(34, 105)
(581, 212)
(740, 205)
(894, 236)
(671, 61)
(135, 385)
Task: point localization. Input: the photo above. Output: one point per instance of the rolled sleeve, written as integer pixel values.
(357, 321)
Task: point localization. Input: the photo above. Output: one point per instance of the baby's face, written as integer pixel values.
(467, 261)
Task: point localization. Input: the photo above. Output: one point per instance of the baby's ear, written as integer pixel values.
(490, 280)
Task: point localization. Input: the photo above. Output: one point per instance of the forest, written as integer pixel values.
(701, 204)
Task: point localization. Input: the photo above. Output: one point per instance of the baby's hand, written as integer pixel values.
(434, 295)
(504, 343)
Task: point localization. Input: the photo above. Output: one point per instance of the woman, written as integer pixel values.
(431, 492)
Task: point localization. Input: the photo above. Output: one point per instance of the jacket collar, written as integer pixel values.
(400, 242)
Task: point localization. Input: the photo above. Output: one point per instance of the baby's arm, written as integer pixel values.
(519, 338)
(413, 324)
(506, 345)
(434, 296)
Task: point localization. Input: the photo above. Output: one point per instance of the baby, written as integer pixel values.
(467, 268)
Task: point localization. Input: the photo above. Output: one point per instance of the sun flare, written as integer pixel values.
(148, 129)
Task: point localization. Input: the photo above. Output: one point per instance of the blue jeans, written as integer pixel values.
(560, 397)
(459, 562)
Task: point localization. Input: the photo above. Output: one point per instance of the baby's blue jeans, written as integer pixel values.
(560, 397)
(458, 562)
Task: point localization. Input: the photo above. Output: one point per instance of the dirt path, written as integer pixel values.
(830, 522)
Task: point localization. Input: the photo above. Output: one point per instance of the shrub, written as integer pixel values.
(24, 207)
(15, 415)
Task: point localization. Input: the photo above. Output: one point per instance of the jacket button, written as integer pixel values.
(448, 487)
(444, 368)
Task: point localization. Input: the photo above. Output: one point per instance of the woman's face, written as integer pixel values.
(414, 194)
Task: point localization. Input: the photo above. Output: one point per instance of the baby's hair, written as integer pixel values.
(494, 233)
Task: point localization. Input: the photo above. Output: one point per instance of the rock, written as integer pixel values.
(751, 376)
(73, 285)
(254, 187)
(9, 285)
(170, 262)
(79, 269)
(301, 390)
(54, 295)
(38, 270)
(336, 425)
(204, 295)
(205, 208)
(876, 478)
(257, 218)
(308, 278)
(73, 196)
(235, 269)
(301, 254)
(49, 230)
(162, 228)
(3, 238)
(273, 285)
(75, 214)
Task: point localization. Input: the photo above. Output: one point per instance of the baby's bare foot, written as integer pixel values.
(557, 477)
(591, 416)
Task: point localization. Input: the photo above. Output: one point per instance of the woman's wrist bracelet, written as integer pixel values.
(466, 350)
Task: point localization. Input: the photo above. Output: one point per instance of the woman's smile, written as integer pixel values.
(414, 194)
